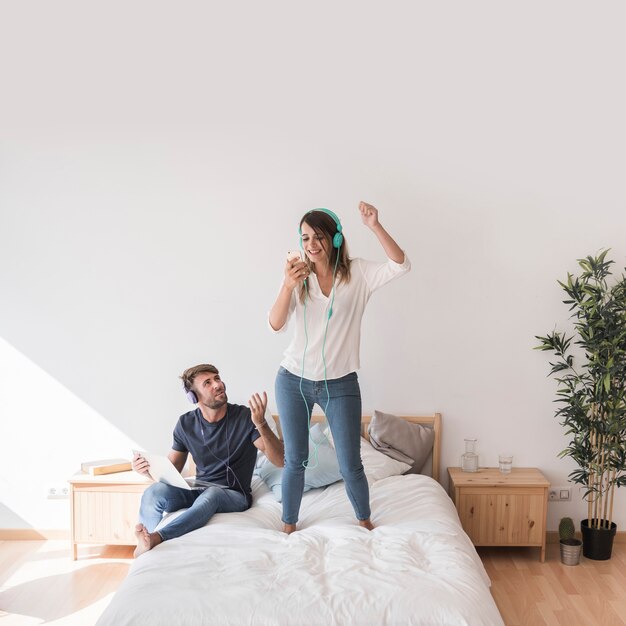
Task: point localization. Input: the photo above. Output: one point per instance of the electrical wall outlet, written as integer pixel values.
(559, 493)
(57, 491)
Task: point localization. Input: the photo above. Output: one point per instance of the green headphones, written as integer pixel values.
(337, 238)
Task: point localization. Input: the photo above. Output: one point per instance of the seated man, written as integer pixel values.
(223, 440)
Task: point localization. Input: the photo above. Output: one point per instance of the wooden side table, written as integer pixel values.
(104, 509)
(498, 509)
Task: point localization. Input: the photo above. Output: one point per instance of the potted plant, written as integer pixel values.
(570, 546)
(593, 395)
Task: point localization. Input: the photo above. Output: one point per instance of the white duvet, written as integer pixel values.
(416, 567)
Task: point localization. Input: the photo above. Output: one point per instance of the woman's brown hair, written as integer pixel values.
(326, 227)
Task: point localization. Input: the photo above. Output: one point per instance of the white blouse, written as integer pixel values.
(343, 337)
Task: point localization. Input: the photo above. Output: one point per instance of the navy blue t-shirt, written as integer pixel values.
(213, 445)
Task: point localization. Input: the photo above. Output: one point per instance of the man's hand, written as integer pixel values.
(257, 407)
(369, 214)
(140, 465)
(268, 442)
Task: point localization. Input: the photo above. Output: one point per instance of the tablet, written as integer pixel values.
(163, 470)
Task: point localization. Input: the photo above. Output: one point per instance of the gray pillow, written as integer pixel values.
(401, 440)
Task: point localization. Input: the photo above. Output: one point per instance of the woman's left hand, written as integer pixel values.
(369, 214)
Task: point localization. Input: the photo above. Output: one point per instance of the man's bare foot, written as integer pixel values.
(366, 523)
(145, 540)
(289, 528)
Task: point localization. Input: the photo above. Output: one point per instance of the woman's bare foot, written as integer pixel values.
(289, 528)
(366, 523)
(145, 540)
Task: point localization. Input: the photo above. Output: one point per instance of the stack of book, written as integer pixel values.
(105, 466)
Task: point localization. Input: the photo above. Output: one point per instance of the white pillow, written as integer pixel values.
(378, 465)
(321, 473)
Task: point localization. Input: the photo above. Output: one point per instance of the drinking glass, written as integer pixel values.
(506, 463)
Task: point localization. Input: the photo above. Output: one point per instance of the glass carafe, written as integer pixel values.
(469, 459)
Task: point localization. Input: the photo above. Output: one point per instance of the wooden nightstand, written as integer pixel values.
(502, 509)
(104, 509)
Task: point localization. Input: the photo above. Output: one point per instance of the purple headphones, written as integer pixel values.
(191, 395)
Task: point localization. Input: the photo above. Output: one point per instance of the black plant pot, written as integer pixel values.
(598, 542)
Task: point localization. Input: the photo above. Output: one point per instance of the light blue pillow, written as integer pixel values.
(320, 474)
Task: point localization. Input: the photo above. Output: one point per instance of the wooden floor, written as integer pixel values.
(528, 592)
(39, 583)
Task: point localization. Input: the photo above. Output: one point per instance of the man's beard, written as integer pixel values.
(218, 404)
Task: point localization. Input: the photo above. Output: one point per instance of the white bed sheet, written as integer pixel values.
(416, 567)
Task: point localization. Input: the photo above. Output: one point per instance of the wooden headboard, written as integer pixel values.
(433, 421)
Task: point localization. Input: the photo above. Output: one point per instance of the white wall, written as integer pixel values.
(155, 159)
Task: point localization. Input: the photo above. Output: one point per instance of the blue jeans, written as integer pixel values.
(201, 505)
(344, 418)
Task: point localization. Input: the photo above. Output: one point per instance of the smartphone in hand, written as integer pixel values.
(294, 255)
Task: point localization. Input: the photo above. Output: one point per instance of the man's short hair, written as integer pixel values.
(189, 374)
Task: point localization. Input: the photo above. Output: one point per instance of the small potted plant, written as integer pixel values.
(570, 546)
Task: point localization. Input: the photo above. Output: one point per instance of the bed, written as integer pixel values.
(416, 567)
